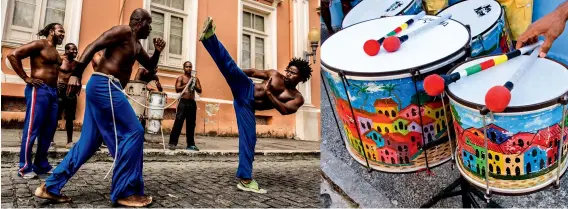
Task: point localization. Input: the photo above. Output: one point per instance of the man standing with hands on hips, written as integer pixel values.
(186, 109)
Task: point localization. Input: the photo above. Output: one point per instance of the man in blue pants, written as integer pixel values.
(41, 97)
(277, 91)
(108, 114)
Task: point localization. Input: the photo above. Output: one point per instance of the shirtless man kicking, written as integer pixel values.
(67, 103)
(277, 91)
(108, 114)
(41, 97)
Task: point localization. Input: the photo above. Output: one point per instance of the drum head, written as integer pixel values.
(372, 9)
(544, 82)
(480, 15)
(344, 50)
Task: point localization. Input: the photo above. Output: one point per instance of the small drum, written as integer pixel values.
(153, 126)
(156, 100)
(372, 9)
(523, 141)
(138, 91)
(489, 31)
(393, 115)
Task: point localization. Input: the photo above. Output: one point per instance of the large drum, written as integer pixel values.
(153, 126)
(523, 141)
(372, 9)
(137, 90)
(489, 31)
(393, 118)
(156, 101)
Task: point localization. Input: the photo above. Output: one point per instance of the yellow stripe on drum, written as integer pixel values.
(404, 26)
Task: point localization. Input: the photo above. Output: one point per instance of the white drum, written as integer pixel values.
(486, 18)
(156, 101)
(153, 126)
(138, 91)
(372, 9)
(394, 122)
(524, 141)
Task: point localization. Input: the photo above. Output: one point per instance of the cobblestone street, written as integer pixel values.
(180, 184)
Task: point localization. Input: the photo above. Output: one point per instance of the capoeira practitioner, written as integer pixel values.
(277, 91)
(108, 113)
(41, 97)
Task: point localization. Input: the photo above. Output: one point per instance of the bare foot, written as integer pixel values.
(135, 201)
(42, 192)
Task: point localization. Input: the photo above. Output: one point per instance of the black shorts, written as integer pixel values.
(67, 105)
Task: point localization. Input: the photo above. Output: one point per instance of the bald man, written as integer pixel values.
(109, 114)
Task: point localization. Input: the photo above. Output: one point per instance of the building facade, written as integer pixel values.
(262, 34)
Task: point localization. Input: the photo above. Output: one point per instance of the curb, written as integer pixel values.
(103, 154)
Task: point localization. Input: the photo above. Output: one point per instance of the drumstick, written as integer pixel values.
(498, 97)
(372, 46)
(392, 43)
(435, 84)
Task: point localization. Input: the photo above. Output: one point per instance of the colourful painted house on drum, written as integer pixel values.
(535, 159)
(377, 137)
(370, 148)
(387, 107)
(261, 34)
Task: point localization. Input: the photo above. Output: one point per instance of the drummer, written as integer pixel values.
(550, 26)
(518, 16)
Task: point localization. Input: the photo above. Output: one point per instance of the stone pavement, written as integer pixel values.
(13, 137)
(180, 184)
(377, 189)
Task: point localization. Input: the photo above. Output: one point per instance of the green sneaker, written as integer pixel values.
(208, 29)
(250, 187)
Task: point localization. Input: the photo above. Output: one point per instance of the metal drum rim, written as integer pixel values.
(509, 109)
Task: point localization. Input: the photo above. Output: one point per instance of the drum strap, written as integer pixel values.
(564, 102)
(486, 154)
(344, 81)
(331, 106)
(415, 76)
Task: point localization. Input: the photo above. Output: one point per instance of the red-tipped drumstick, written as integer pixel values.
(372, 46)
(498, 97)
(435, 84)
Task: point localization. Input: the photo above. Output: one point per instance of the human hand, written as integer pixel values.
(550, 26)
(73, 86)
(33, 81)
(159, 86)
(159, 44)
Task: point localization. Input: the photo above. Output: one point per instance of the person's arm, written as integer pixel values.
(179, 87)
(148, 62)
(262, 74)
(115, 35)
(15, 58)
(287, 108)
(197, 85)
(97, 59)
(550, 26)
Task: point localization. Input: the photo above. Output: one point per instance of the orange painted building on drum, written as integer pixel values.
(262, 34)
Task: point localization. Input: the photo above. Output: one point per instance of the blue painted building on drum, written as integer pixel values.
(377, 137)
(535, 159)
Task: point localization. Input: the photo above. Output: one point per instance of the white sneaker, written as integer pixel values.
(29, 175)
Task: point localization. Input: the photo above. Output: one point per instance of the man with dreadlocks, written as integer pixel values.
(277, 91)
(108, 115)
(41, 97)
